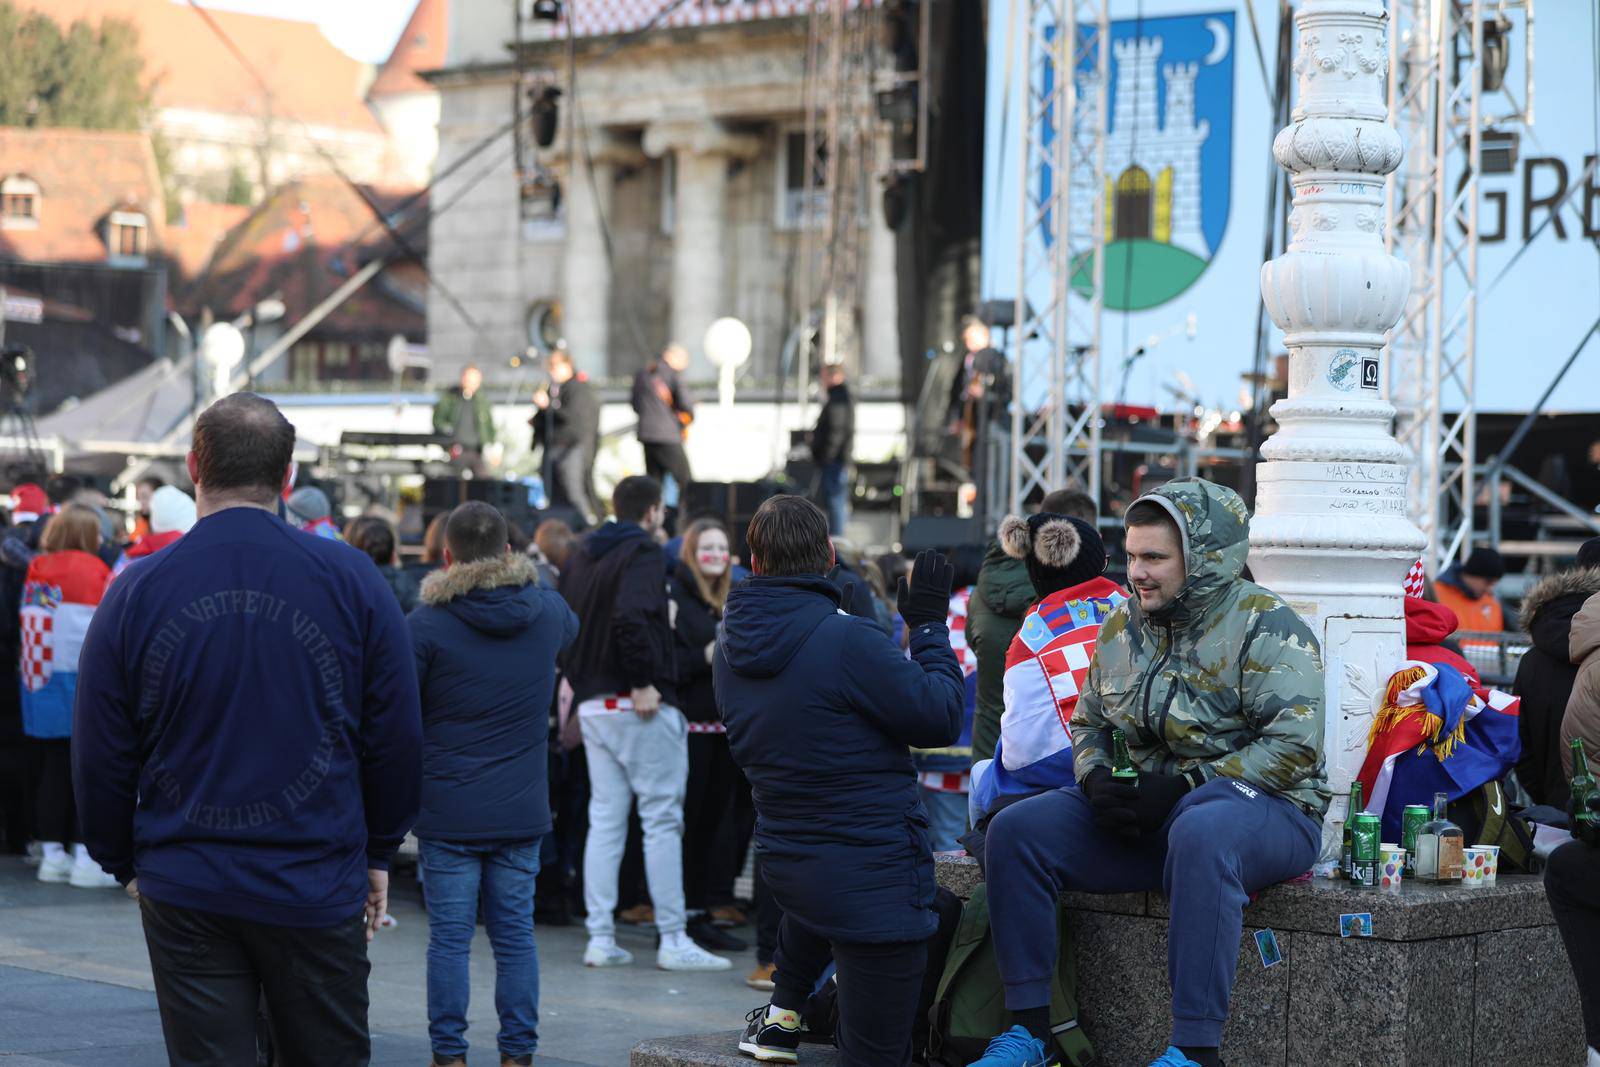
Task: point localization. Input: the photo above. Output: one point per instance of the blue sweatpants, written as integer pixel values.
(1222, 842)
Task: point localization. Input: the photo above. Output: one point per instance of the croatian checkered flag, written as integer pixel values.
(1415, 580)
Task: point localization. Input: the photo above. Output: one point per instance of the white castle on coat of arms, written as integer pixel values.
(1152, 168)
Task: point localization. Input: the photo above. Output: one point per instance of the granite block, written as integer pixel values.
(715, 1050)
(1415, 913)
(1124, 1002)
(1525, 1001)
(961, 874)
(1365, 1002)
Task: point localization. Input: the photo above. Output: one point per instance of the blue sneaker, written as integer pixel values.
(1173, 1058)
(1014, 1048)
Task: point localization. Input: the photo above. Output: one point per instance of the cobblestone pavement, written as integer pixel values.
(75, 986)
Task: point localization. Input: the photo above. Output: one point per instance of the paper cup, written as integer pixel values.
(1492, 867)
(1474, 867)
(1391, 866)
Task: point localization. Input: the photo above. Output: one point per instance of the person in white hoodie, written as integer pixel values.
(172, 515)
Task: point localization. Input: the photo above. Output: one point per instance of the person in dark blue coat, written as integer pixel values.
(246, 750)
(820, 708)
(486, 637)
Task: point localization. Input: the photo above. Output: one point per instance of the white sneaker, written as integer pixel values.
(606, 954)
(90, 876)
(57, 868)
(689, 956)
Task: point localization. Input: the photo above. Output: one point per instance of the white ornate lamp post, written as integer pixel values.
(1331, 533)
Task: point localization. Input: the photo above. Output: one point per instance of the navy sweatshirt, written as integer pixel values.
(247, 738)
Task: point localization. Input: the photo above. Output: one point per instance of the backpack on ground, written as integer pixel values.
(969, 1005)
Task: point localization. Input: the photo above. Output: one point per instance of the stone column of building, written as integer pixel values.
(702, 292)
(586, 269)
(880, 328)
(1331, 533)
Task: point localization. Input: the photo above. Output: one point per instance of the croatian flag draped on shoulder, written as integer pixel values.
(58, 600)
(1045, 668)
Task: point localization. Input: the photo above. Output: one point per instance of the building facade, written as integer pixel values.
(674, 192)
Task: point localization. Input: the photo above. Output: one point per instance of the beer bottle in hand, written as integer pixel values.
(1583, 784)
(1121, 763)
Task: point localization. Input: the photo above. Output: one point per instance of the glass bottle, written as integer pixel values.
(1583, 784)
(1121, 763)
(1349, 819)
(1440, 845)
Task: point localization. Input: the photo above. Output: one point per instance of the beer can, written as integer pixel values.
(1364, 834)
(1411, 821)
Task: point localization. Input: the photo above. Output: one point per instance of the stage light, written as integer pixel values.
(1496, 53)
(1497, 151)
(546, 10)
(545, 110)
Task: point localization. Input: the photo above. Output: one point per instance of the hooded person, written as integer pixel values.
(1048, 659)
(486, 638)
(1429, 625)
(1546, 673)
(1217, 685)
(820, 707)
(309, 510)
(172, 514)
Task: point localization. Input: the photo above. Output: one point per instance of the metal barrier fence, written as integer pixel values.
(1495, 655)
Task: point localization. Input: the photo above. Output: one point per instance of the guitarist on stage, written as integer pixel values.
(665, 410)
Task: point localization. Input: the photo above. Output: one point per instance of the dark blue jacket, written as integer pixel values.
(615, 580)
(486, 637)
(820, 708)
(246, 738)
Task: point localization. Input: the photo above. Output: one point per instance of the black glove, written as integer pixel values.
(1150, 801)
(1112, 814)
(927, 599)
(1587, 832)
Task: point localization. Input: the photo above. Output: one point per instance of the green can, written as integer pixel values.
(1364, 834)
(1411, 821)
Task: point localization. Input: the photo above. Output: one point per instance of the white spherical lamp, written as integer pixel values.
(727, 346)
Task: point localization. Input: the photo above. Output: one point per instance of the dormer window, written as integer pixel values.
(127, 237)
(19, 203)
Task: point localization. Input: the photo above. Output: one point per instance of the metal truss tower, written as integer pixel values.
(1437, 100)
(1055, 408)
(840, 157)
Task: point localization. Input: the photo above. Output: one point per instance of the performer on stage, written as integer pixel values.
(980, 395)
(567, 425)
(665, 408)
(463, 414)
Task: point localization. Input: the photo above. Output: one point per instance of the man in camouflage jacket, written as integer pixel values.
(1217, 685)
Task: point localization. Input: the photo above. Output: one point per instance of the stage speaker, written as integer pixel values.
(939, 532)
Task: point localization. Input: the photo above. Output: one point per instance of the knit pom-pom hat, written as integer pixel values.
(1058, 550)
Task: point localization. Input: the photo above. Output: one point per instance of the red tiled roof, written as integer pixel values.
(83, 175)
(421, 47)
(189, 67)
(300, 245)
(192, 240)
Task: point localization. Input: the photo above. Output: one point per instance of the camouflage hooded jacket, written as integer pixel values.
(1226, 680)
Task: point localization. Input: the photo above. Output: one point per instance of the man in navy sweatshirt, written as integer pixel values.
(820, 707)
(247, 758)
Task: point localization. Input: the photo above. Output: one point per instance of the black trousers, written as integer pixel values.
(878, 989)
(55, 813)
(769, 917)
(212, 971)
(1572, 881)
(707, 806)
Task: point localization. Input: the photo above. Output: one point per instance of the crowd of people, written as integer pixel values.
(240, 709)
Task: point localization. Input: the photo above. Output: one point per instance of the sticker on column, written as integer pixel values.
(1344, 370)
(1369, 372)
(1267, 946)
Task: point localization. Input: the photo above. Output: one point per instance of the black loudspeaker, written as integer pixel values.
(734, 504)
(441, 495)
(942, 532)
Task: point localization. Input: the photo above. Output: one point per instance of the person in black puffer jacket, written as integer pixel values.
(1546, 674)
(701, 578)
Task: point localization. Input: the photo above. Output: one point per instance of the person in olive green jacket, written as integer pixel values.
(463, 414)
(1217, 685)
(1002, 596)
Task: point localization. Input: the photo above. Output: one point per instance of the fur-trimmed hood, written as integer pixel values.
(496, 596)
(1548, 608)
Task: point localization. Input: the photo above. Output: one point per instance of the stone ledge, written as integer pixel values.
(715, 1050)
(1415, 913)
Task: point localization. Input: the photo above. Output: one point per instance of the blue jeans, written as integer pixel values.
(947, 817)
(835, 497)
(1221, 843)
(504, 871)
